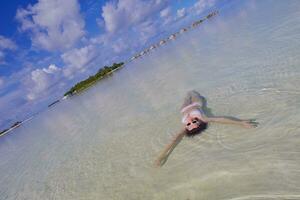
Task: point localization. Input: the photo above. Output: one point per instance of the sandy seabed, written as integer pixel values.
(102, 144)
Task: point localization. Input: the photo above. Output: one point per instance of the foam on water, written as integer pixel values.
(102, 144)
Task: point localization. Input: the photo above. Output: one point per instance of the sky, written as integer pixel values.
(48, 45)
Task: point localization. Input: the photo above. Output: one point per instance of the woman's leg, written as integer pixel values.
(192, 97)
(187, 100)
(197, 97)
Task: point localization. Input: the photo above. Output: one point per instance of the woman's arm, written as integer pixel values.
(162, 158)
(227, 120)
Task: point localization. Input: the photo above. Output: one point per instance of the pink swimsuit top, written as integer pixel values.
(195, 112)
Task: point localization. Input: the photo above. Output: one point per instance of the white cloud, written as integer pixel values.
(166, 15)
(78, 59)
(119, 45)
(201, 5)
(165, 12)
(181, 12)
(1, 82)
(2, 57)
(5, 44)
(125, 13)
(53, 25)
(146, 30)
(41, 80)
(129, 24)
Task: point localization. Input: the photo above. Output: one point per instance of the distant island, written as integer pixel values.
(173, 36)
(102, 72)
(51, 104)
(15, 125)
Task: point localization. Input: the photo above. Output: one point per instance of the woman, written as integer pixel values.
(195, 121)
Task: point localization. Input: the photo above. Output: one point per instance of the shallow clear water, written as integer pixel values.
(102, 144)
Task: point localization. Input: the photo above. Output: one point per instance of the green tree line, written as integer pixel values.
(102, 72)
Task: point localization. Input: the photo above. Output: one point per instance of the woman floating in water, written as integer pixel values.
(195, 121)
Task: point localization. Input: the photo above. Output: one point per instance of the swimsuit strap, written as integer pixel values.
(189, 106)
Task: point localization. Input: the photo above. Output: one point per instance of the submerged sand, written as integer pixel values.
(102, 144)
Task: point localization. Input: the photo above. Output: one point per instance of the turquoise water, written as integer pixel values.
(102, 144)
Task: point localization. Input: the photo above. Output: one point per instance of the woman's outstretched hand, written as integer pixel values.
(159, 162)
(163, 157)
(250, 123)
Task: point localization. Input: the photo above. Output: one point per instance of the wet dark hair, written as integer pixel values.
(202, 127)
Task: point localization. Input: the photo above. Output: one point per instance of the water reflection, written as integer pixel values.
(102, 144)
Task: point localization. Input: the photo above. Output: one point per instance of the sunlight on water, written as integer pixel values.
(102, 144)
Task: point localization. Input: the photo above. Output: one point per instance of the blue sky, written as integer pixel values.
(48, 45)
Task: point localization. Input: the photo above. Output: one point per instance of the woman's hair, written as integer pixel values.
(202, 126)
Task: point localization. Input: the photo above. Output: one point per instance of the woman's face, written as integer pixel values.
(192, 123)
